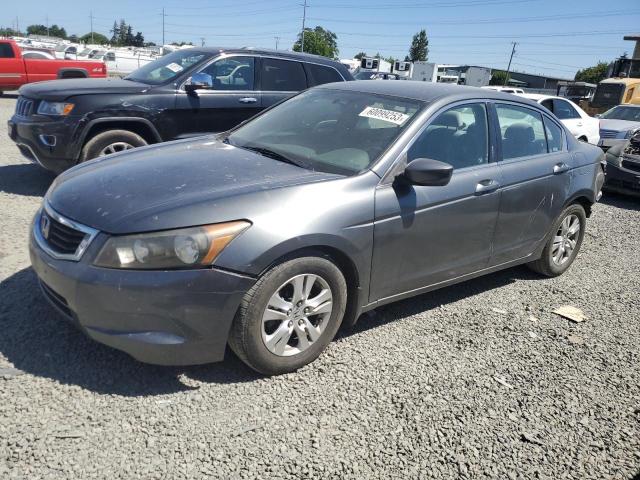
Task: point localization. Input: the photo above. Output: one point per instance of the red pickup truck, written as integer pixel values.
(15, 71)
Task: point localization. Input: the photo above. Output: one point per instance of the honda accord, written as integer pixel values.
(269, 237)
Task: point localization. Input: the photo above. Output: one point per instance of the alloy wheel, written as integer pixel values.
(296, 315)
(115, 148)
(566, 239)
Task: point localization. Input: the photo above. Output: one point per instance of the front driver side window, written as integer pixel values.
(458, 137)
(232, 73)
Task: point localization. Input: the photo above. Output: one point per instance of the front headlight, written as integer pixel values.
(55, 108)
(631, 133)
(187, 247)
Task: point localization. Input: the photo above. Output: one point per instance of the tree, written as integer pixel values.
(419, 49)
(318, 41)
(9, 32)
(391, 60)
(360, 55)
(98, 38)
(593, 74)
(115, 30)
(498, 77)
(138, 40)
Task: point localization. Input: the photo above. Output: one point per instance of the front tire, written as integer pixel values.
(111, 141)
(564, 242)
(290, 315)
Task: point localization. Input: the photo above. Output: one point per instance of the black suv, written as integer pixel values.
(189, 92)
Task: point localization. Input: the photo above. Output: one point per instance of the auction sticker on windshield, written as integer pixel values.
(385, 115)
(174, 67)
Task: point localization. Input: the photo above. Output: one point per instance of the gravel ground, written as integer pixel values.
(479, 380)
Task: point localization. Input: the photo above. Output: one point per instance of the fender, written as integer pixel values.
(83, 71)
(115, 120)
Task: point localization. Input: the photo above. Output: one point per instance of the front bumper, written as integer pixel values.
(177, 317)
(48, 143)
(623, 178)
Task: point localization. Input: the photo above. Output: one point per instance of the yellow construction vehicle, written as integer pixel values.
(622, 86)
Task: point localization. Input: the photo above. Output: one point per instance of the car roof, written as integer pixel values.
(537, 96)
(267, 51)
(426, 91)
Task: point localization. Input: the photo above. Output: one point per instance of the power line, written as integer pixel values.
(458, 21)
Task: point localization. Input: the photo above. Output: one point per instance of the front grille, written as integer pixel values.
(60, 238)
(24, 107)
(635, 166)
(56, 299)
(608, 133)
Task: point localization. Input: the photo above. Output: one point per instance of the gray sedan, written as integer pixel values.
(271, 236)
(619, 124)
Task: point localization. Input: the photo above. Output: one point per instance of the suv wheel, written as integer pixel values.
(290, 315)
(111, 141)
(563, 243)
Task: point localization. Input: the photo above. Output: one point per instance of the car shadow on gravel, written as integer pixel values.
(25, 179)
(38, 341)
(627, 202)
(444, 296)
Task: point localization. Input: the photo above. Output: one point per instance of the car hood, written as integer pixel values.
(178, 184)
(62, 89)
(618, 125)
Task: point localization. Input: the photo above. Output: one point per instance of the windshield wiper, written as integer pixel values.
(274, 155)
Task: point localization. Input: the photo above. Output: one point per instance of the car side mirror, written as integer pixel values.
(199, 81)
(428, 172)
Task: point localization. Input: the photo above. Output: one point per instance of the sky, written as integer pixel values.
(554, 37)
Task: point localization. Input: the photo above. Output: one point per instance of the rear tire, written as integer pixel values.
(111, 141)
(563, 243)
(272, 332)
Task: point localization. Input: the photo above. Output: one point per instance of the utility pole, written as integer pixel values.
(202, 41)
(304, 19)
(277, 41)
(163, 15)
(513, 50)
(91, 20)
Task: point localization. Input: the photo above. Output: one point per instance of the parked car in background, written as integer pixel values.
(623, 166)
(15, 70)
(581, 125)
(344, 198)
(504, 89)
(618, 124)
(189, 92)
(364, 75)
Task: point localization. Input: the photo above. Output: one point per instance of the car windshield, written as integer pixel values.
(623, 113)
(328, 130)
(166, 68)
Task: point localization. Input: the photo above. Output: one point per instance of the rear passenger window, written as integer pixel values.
(554, 136)
(457, 137)
(522, 132)
(282, 76)
(319, 74)
(6, 51)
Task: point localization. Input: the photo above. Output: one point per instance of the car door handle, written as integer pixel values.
(560, 168)
(248, 100)
(487, 186)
